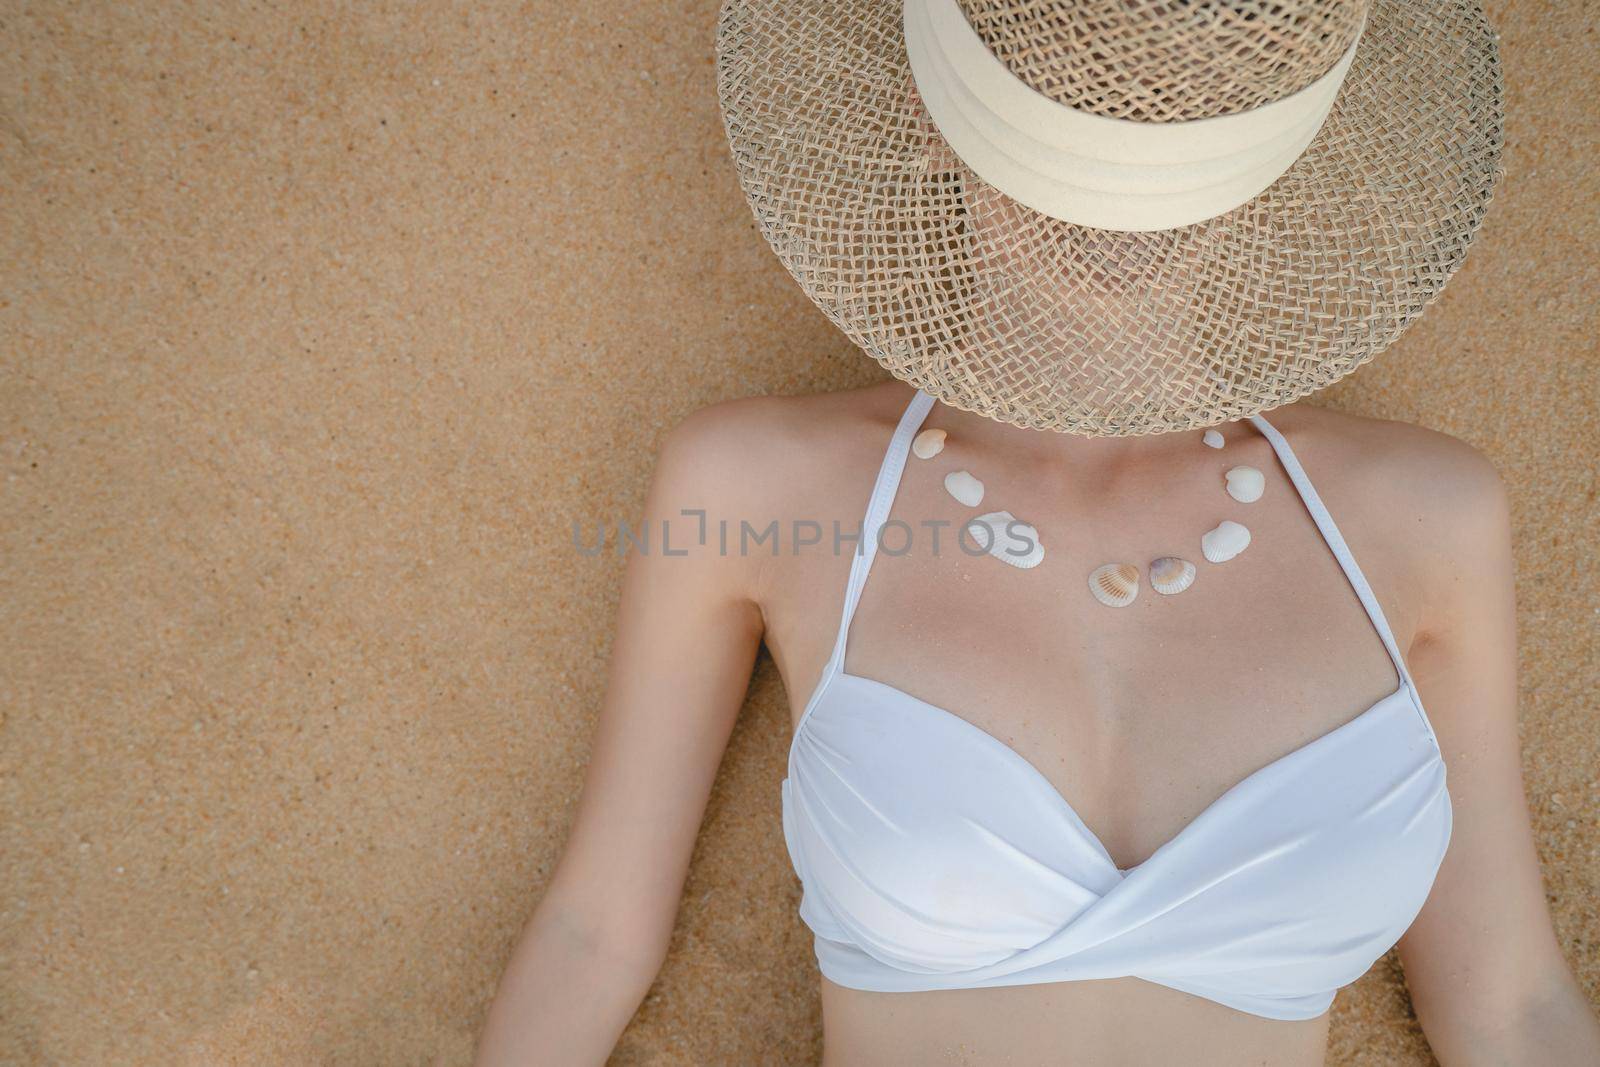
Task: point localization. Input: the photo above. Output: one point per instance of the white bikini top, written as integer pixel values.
(935, 856)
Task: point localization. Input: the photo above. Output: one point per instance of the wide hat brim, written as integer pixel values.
(995, 308)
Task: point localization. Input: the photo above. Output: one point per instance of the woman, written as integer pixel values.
(1123, 768)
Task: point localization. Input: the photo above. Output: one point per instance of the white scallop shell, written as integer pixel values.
(1224, 542)
(964, 487)
(1115, 585)
(1170, 575)
(1245, 484)
(1003, 537)
(928, 443)
(1212, 438)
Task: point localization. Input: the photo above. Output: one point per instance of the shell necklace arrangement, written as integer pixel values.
(1115, 585)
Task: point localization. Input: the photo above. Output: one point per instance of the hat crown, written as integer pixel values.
(1166, 60)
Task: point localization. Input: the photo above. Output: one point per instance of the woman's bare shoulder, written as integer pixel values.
(1437, 475)
(1432, 504)
(767, 455)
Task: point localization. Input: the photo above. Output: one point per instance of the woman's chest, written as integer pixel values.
(1141, 715)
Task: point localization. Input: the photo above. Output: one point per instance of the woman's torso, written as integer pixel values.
(1140, 717)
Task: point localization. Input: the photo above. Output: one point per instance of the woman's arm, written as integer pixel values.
(1482, 962)
(688, 630)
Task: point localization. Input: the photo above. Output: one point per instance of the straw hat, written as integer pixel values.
(1114, 217)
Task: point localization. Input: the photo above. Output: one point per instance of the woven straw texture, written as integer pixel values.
(997, 309)
(1165, 61)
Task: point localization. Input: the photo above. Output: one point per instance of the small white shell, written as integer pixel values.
(1245, 484)
(964, 487)
(1006, 539)
(1170, 575)
(928, 443)
(1115, 585)
(1212, 438)
(1226, 541)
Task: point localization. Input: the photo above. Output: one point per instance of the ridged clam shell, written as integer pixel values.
(1224, 542)
(1115, 584)
(1170, 575)
(1006, 539)
(928, 443)
(1245, 484)
(964, 487)
(1212, 438)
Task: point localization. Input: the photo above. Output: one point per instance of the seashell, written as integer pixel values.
(964, 487)
(1224, 542)
(1170, 575)
(1245, 484)
(928, 443)
(1115, 584)
(1003, 537)
(1212, 438)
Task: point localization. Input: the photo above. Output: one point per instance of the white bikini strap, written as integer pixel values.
(1336, 541)
(883, 493)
